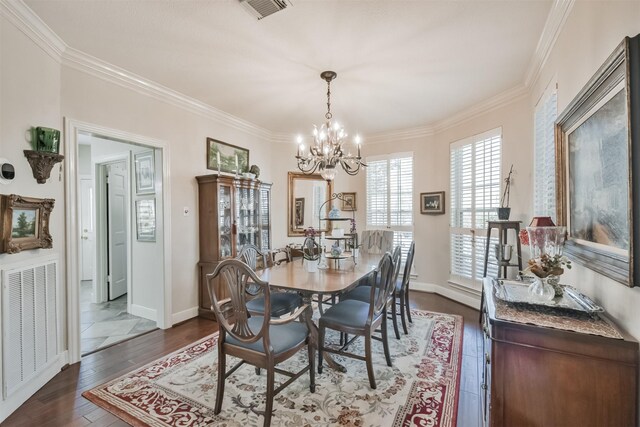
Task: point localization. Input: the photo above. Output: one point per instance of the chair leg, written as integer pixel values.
(368, 356)
(385, 340)
(320, 347)
(257, 371)
(406, 299)
(269, 403)
(394, 318)
(222, 361)
(312, 366)
(402, 315)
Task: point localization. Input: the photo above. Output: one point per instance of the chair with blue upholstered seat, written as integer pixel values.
(281, 302)
(257, 340)
(361, 318)
(363, 292)
(402, 290)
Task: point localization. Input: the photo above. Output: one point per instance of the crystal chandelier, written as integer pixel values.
(327, 151)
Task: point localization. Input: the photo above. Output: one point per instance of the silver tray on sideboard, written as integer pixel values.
(518, 293)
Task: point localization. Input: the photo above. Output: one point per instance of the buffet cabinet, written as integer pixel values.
(542, 376)
(232, 212)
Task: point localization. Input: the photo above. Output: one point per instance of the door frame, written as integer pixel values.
(102, 251)
(72, 128)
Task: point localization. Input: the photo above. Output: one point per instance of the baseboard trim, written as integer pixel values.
(467, 298)
(144, 312)
(183, 315)
(21, 395)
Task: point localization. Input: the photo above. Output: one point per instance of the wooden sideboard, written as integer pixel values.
(542, 376)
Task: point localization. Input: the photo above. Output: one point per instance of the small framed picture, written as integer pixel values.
(24, 223)
(145, 173)
(348, 201)
(299, 214)
(146, 220)
(226, 158)
(432, 203)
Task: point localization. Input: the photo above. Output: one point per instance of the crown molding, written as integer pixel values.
(25, 19)
(83, 62)
(560, 10)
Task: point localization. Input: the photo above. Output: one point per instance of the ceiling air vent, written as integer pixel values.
(263, 8)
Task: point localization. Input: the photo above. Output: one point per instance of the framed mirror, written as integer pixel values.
(306, 194)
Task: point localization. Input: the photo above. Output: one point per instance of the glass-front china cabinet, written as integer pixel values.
(233, 212)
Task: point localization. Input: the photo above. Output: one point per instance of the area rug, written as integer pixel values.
(420, 389)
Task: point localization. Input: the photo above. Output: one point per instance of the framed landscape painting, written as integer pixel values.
(24, 223)
(597, 166)
(226, 158)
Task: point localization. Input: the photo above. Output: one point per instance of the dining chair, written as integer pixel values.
(281, 255)
(376, 241)
(260, 341)
(281, 302)
(361, 318)
(402, 289)
(363, 292)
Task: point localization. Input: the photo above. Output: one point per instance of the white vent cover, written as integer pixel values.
(30, 322)
(263, 8)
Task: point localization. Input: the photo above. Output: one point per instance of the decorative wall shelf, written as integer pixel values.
(41, 163)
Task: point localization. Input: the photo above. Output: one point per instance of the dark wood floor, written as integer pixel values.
(59, 402)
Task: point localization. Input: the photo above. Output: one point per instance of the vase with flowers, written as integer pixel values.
(547, 262)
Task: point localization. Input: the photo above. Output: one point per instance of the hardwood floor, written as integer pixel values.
(60, 401)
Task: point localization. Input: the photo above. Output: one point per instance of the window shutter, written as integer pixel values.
(545, 156)
(474, 196)
(377, 193)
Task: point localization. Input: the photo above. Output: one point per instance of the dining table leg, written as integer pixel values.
(313, 331)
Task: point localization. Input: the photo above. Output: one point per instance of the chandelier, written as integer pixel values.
(327, 151)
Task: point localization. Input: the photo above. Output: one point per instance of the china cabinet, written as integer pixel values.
(233, 212)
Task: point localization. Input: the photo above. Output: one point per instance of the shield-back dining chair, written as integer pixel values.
(360, 318)
(402, 290)
(281, 302)
(260, 341)
(363, 292)
(376, 241)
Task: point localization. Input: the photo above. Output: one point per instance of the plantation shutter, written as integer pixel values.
(390, 197)
(544, 175)
(474, 197)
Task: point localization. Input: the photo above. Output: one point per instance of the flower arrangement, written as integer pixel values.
(310, 232)
(546, 265)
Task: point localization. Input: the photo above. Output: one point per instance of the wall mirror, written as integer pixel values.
(306, 194)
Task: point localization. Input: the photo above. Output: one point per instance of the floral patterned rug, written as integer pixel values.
(421, 389)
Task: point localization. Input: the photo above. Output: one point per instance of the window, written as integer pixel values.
(544, 175)
(390, 197)
(475, 195)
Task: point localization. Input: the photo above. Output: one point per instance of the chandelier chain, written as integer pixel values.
(328, 116)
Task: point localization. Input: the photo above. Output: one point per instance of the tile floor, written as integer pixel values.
(107, 323)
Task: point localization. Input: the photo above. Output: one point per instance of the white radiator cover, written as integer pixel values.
(30, 323)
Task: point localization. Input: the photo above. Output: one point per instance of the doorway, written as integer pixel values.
(130, 300)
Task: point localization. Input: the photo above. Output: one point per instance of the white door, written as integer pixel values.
(86, 222)
(117, 223)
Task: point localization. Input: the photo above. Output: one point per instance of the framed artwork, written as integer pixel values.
(226, 158)
(145, 173)
(24, 223)
(146, 220)
(348, 201)
(432, 203)
(597, 168)
(299, 212)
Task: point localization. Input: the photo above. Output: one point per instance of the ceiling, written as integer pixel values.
(400, 64)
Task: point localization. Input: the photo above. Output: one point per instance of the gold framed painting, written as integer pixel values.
(24, 223)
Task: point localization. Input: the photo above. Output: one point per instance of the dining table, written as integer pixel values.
(333, 281)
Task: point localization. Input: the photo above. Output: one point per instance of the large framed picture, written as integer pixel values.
(146, 220)
(24, 223)
(226, 158)
(597, 161)
(432, 203)
(348, 202)
(145, 173)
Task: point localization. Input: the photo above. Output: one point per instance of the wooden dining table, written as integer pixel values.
(293, 276)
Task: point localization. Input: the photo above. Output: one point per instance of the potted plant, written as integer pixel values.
(504, 210)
